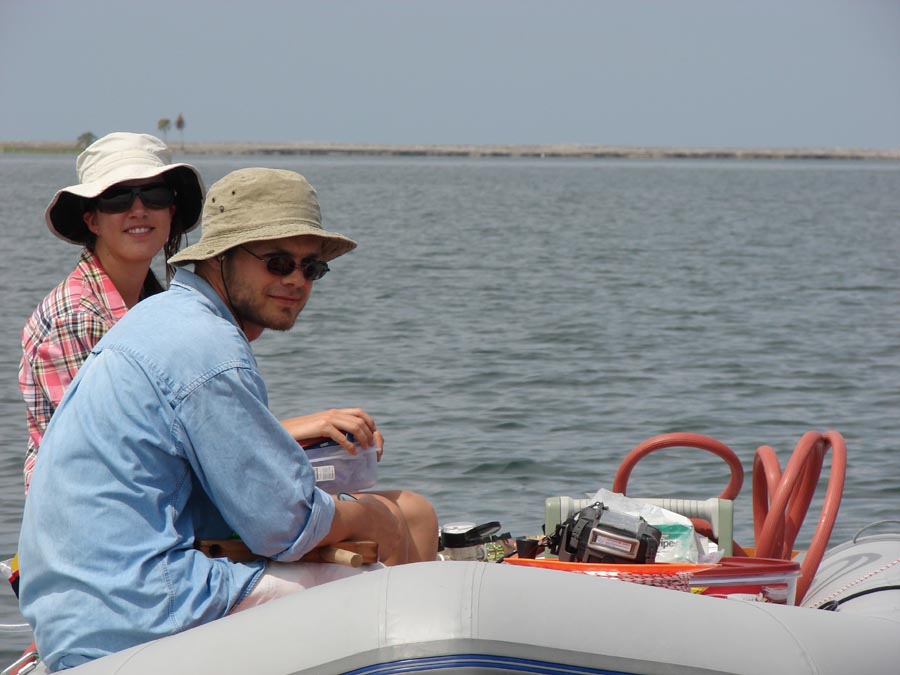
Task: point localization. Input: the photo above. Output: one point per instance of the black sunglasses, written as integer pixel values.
(281, 264)
(119, 198)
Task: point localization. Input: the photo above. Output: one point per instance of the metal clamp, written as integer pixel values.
(24, 664)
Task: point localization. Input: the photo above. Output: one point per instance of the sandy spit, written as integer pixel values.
(538, 151)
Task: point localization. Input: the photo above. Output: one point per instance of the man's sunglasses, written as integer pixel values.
(119, 198)
(281, 264)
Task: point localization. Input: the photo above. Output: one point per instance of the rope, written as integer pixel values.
(865, 577)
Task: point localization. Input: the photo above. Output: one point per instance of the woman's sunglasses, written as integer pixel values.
(119, 198)
(281, 264)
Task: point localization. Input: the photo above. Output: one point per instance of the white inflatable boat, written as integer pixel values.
(481, 617)
(471, 617)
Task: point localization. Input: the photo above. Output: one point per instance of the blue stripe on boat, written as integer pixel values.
(484, 662)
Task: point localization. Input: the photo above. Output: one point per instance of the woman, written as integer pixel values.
(131, 202)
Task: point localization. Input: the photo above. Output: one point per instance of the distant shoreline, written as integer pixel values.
(534, 151)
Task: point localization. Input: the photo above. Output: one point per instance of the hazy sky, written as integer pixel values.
(705, 73)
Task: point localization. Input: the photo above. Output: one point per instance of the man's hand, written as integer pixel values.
(334, 424)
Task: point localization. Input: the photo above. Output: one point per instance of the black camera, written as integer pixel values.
(597, 534)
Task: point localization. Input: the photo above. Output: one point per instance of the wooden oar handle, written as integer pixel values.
(350, 553)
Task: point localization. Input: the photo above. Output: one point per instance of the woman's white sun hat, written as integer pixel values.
(118, 157)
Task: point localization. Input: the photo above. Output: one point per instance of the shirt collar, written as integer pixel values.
(92, 271)
(188, 280)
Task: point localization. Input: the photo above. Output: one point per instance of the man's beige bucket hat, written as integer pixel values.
(258, 204)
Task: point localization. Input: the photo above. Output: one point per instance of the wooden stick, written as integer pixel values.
(350, 553)
(333, 554)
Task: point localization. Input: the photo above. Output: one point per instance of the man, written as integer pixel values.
(165, 437)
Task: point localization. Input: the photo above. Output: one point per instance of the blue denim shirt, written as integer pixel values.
(164, 436)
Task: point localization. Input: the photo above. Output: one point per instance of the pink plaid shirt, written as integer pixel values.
(58, 338)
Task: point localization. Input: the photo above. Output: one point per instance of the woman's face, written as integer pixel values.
(133, 236)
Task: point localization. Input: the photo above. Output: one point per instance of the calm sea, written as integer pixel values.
(517, 326)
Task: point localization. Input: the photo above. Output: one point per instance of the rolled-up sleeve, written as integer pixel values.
(251, 468)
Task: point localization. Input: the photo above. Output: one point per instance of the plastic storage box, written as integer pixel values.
(339, 471)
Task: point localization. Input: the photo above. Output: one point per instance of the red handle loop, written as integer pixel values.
(682, 440)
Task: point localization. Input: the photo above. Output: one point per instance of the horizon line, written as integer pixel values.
(543, 150)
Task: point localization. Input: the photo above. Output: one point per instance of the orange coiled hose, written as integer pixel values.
(780, 501)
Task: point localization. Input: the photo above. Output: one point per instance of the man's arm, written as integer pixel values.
(368, 518)
(251, 469)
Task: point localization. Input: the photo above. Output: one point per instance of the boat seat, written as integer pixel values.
(719, 513)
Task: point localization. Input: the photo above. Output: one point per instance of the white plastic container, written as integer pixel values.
(338, 471)
(456, 546)
(757, 579)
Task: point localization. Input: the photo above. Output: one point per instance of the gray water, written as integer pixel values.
(517, 326)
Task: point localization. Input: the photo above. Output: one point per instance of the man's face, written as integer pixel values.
(262, 299)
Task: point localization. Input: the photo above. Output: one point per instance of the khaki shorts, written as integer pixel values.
(279, 579)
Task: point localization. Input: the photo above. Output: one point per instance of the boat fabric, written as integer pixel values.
(861, 576)
(57, 339)
(163, 436)
(422, 617)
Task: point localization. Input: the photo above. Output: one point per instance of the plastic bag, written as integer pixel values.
(677, 544)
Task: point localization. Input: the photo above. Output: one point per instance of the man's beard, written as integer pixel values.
(248, 308)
